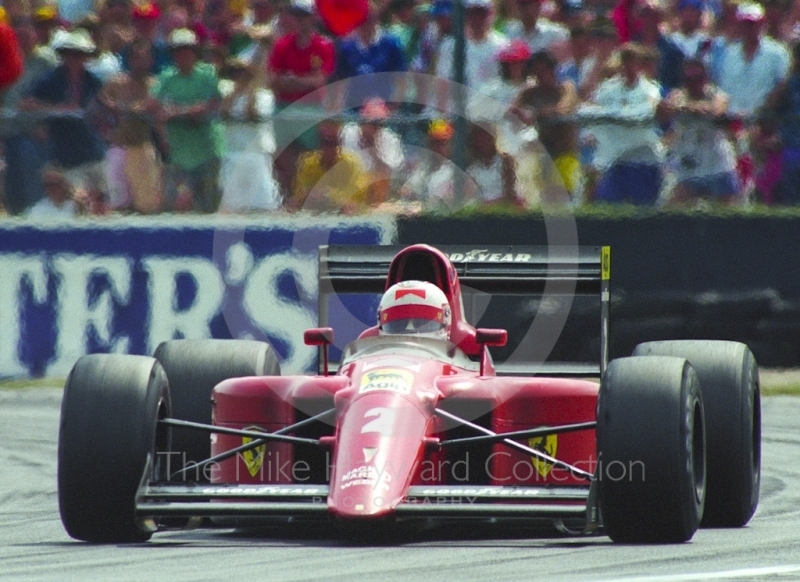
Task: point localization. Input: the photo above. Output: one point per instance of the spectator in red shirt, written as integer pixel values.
(299, 65)
(10, 57)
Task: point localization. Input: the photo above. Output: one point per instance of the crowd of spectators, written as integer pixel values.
(145, 106)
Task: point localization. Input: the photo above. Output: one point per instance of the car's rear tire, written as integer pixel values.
(728, 376)
(108, 433)
(651, 450)
(194, 367)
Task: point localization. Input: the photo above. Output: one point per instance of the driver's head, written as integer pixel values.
(414, 307)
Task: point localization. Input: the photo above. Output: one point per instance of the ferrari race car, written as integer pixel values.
(413, 420)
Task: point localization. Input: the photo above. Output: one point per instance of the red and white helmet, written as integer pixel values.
(414, 307)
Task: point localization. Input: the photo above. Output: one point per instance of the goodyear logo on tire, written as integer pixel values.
(391, 379)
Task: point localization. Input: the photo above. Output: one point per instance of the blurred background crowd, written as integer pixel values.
(349, 105)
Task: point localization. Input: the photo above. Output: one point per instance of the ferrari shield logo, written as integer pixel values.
(254, 458)
(547, 445)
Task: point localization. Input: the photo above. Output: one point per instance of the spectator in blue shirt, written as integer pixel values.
(369, 50)
(66, 93)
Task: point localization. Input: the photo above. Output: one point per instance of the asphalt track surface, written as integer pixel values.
(33, 545)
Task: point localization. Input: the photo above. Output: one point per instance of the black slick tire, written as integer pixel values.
(107, 435)
(651, 450)
(729, 381)
(194, 367)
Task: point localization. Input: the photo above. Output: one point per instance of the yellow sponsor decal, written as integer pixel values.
(547, 445)
(254, 458)
(605, 263)
(392, 379)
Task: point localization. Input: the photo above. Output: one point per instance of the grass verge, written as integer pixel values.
(26, 383)
(780, 389)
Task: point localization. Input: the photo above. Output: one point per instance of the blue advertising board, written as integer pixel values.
(125, 285)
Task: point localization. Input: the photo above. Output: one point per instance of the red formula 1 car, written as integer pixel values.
(417, 422)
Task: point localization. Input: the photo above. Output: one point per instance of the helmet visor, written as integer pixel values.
(412, 325)
(412, 319)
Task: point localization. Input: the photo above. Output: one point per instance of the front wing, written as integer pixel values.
(171, 500)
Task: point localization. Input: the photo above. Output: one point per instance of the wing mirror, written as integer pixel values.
(491, 337)
(322, 337)
(318, 336)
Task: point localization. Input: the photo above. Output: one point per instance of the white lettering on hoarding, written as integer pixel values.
(278, 316)
(74, 313)
(89, 290)
(166, 321)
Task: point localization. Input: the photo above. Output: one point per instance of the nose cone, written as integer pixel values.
(380, 444)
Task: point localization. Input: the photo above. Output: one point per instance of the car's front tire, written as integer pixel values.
(651, 450)
(108, 434)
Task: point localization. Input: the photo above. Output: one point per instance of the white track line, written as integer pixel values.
(724, 575)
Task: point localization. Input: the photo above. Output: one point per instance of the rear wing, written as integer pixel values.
(522, 271)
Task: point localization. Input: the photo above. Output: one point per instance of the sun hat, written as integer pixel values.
(750, 11)
(305, 7)
(77, 41)
(182, 37)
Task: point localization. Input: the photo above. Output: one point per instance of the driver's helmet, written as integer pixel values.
(414, 307)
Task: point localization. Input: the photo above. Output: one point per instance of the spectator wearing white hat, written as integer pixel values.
(25, 151)
(752, 67)
(188, 93)
(66, 93)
